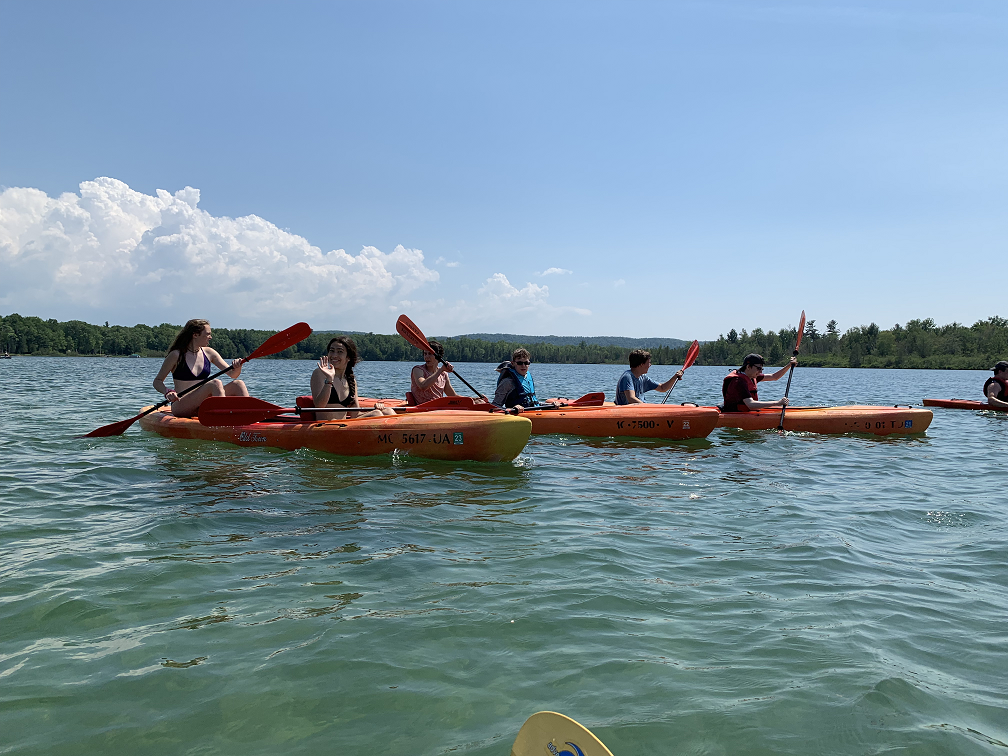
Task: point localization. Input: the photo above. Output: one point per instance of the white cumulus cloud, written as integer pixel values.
(112, 253)
(556, 272)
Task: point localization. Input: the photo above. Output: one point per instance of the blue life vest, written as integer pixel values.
(524, 391)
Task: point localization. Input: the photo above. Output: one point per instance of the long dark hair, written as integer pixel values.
(352, 359)
(185, 336)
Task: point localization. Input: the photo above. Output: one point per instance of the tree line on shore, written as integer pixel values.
(918, 344)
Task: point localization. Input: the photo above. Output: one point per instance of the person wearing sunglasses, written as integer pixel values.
(739, 387)
(515, 387)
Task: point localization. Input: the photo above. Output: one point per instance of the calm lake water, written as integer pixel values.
(748, 594)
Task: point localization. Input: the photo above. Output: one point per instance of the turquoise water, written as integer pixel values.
(746, 594)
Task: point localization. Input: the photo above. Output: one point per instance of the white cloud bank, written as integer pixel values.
(112, 253)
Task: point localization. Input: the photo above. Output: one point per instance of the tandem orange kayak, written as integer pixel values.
(967, 404)
(855, 418)
(481, 437)
(668, 421)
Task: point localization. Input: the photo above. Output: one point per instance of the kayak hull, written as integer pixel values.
(667, 421)
(456, 436)
(879, 421)
(966, 404)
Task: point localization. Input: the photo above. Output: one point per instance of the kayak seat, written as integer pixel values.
(410, 399)
(305, 402)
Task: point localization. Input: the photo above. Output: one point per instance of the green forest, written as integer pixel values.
(918, 344)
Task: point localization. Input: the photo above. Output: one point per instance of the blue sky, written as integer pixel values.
(637, 169)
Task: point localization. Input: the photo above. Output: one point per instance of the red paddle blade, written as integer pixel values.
(237, 410)
(691, 354)
(594, 399)
(801, 331)
(412, 334)
(280, 341)
(115, 429)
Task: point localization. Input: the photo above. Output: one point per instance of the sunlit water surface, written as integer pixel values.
(751, 593)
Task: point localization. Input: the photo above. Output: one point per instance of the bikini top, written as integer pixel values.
(182, 372)
(334, 398)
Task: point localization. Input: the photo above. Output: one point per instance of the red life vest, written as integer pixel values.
(736, 388)
(1002, 393)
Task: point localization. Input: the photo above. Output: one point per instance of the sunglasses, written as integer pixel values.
(522, 362)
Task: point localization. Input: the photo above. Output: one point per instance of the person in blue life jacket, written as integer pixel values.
(635, 382)
(515, 387)
(996, 388)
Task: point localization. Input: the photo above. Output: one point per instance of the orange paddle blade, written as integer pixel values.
(691, 354)
(801, 331)
(408, 330)
(594, 399)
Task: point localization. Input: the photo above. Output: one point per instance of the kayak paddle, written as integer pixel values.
(245, 410)
(594, 399)
(691, 355)
(275, 343)
(801, 330)
(547, 732)
(414, 336)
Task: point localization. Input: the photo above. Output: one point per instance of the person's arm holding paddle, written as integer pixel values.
(170, 361)
(780, 373)
(231, 369)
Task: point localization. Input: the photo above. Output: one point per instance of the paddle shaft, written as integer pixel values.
(471, 388)
(669, 391)
(801, 331)
(691, 355)
(786, 390)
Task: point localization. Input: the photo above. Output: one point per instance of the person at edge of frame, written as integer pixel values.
(996, 387)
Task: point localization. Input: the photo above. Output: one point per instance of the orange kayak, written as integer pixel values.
(880, 421)
(477, 436)
(670, 421)
(967, 404)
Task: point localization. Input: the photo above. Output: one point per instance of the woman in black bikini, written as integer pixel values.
(333, 383)
(189, 360)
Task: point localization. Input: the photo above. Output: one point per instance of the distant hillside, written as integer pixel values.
(619, 341)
